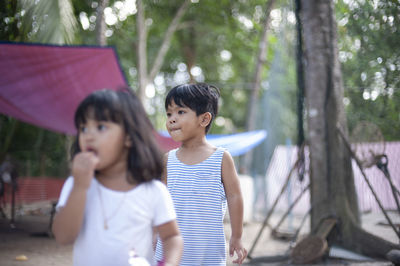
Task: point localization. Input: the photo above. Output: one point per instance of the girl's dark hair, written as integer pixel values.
(123, 107)
(199, 97)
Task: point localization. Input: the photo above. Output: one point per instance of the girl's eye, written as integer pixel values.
(181, 112)
(83, 129)
(168, 114)
(101, 127)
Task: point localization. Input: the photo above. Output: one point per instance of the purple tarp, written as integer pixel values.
(43, 84)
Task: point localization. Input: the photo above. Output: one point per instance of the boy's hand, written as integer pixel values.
(83, 166)
(235, 245)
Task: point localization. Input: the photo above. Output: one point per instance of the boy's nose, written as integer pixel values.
(172, 120)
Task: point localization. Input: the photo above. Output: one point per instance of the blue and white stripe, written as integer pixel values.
(200, 204)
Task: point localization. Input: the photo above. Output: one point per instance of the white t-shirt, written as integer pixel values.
(130, 217)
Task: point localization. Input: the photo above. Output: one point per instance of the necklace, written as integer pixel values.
(103, 212)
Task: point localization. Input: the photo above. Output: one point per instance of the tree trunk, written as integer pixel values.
(300, 77)
(187, 39)
(143, 76)
(5, 145)
(141, 49)
(173, 26)
(255, 90)
(101, 24)
(38, 153)
(332, 182)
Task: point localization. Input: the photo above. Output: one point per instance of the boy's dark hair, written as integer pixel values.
(199, 97)
(145, 160)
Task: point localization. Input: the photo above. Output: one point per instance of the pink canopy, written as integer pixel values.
(43, 84)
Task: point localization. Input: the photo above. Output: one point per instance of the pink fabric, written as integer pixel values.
(166, 143)
(43, 84)
(285, 156)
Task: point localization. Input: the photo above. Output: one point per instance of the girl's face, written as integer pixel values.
(183, 123)
(107, 140)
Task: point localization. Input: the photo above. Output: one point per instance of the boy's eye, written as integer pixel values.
(181, 112)
(82, 129)
(168, 114)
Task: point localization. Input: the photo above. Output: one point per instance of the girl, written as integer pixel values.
(112, 201)
(201, 179)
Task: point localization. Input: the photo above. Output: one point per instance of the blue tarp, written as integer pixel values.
(237, 144)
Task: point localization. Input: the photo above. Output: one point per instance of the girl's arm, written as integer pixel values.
(68, 220)
(172, 243)
(233, 193)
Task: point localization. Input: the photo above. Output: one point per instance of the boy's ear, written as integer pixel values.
(205, 119)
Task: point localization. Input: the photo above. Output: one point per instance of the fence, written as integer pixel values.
(34, 189)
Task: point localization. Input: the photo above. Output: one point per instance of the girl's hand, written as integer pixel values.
(83, 166)
(235, 245)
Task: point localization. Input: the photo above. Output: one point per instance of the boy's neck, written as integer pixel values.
(195, 143)
(195, 152)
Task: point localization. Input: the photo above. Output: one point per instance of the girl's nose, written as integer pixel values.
(89, 134)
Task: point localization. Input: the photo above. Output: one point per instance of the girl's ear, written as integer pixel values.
(205, 119)
(128, 141)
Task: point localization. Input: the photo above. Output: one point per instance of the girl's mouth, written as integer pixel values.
(91, 150)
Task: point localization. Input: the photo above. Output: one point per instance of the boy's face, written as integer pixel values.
(183, 123)
(106, 140)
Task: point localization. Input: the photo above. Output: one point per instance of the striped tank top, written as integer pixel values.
(200, 204)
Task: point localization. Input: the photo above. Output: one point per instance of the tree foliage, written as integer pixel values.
(40, 152)
(47, 21)
(370, 55)
(216, 42)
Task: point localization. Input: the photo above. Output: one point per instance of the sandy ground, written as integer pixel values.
(30, 238)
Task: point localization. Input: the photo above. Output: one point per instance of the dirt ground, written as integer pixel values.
(30, 238)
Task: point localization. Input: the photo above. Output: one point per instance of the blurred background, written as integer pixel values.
(246, 48)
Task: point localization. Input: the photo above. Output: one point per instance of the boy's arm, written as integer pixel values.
(164, 180)
(233, 193)
(172, 242)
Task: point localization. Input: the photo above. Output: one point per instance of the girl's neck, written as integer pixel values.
(115, 178)
(116, 183)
